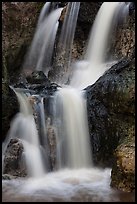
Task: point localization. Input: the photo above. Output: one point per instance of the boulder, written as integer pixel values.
(111, 110)
(123, 169)
(12, 161)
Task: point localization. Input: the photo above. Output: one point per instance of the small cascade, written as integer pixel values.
(42, 130)
(70, 120)
(105, 22)
(44, 12)
(43, 42)
(24, 128)
(45, 57)
(94, 64)
(66, 39)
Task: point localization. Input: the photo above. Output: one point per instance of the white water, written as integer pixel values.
(73, 145)
(66, 39)
(43, 132)
(103, 27)
(23, 127)
(83, 185)
(44, 12)
(65, 185)
(94, 64)
(44, 39)
(68, 28)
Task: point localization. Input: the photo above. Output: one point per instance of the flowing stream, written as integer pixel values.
(75, 178)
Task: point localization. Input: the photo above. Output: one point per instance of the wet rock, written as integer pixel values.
(43, 90)
(52, 144)
(111, 110)
(8, 177)
(38, 77)
(12, 161)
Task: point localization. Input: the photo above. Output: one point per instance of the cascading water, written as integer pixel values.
(94, 64)
(67, 37)
(24, 128)
(73, 145)
(76, 178)
(39, 55)
(62, 59)
(41, 118)
(44, 12)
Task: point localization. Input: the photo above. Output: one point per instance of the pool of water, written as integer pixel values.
(81, 185)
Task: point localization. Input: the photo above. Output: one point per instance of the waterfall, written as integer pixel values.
(69, 111)
(44, 60)
(66, 40)
(68, 29)
(42, 129)
(23, 127)
(73, 145)
(53, 128)
(44, 12)
(43, 42)
(94, 64)
(106, 20)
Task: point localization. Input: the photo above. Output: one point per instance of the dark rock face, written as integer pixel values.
(110, 103)
(38, 77)
(10, 107)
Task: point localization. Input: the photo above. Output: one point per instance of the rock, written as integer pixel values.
(123, 170)
(111, 110)
(10, 107)
(8, 177)
(124, 43)
(18, 25)
(52, 144)
(12, 160)
(38, 77)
